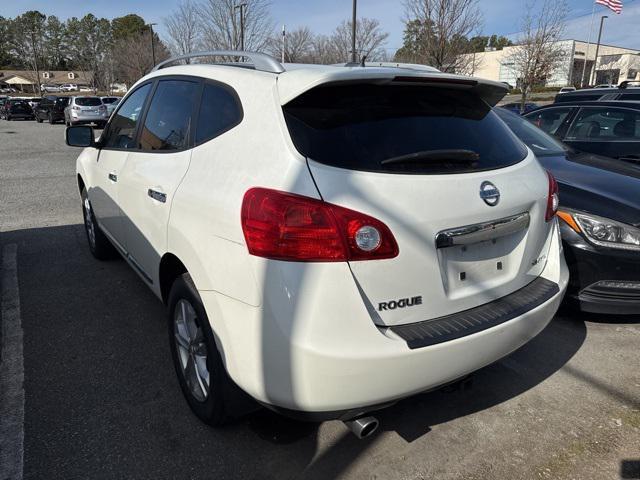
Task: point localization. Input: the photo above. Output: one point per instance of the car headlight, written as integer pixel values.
(603, 231)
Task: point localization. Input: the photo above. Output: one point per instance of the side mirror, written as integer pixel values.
(80, 136)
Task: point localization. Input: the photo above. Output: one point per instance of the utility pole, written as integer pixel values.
(595, 61)
(354, 56)
(153, 48)
(35, 60)
(242, 7)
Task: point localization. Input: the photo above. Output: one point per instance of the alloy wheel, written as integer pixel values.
(191, 349)
(88, 223)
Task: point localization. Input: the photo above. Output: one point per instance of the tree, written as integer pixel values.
(55, 46)
(127, 26)
(437, 32)
(370, 40)
(91, 46)
(6, 58)
(297, 47)
(184, 28)
(132, 57)
(25, 35)
(539, 51)
(480, 42)
(221, 24)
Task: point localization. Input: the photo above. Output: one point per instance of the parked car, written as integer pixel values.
(600, 213)
(50, 88)
(34, 101)
(567, 89)
(627, 90)
(51, 108)
(7, 90)
(313, 247)
(516, 106)
(111, 103)
(85, 88)
(85, 110)
(69, 87)
(14, 109)
(608, 128)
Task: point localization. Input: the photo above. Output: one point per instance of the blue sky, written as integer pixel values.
(500, 16)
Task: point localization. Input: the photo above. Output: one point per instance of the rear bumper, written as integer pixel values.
(320, 356)
(603, 280)
(77, 119)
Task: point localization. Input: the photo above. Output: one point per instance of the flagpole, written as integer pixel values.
(586, 56)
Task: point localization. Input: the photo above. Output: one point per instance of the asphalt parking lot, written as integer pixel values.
(101, 399)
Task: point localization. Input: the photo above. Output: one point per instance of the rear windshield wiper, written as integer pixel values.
(435, 156)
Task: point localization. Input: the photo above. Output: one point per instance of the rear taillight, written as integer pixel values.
(286, 226)
(553, 200)
(75, 108)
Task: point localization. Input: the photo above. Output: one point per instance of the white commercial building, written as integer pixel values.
(615, 64)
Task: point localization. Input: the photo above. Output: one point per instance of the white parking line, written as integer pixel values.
(11, 370)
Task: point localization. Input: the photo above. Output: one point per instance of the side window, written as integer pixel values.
(122, 129)
(549, 120)
(606, 123)
(630, 96)
(219, 111)
(170, 116)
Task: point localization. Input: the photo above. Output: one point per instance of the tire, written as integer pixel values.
(8, 118)
(38, 119)
(206, 386)
(99, 245)
(51, 121)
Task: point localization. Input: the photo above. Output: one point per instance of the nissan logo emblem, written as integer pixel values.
(489, 193)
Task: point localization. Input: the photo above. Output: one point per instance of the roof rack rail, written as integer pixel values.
(261, 61)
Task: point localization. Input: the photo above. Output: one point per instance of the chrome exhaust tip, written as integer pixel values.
(362, 427)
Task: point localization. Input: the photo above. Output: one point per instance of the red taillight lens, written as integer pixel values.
(553, 200)
(285, 226)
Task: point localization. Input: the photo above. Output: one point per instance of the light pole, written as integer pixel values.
(153, 48)
(241, 7)
(354, 58)
(595, 60)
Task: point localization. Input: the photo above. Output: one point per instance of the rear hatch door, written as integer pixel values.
(370, 147)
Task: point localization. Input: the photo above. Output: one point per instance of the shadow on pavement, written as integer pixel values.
(102, 400)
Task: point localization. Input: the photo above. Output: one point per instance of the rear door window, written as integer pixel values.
(605, 123)
(400, 129)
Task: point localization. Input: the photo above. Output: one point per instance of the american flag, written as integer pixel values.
(615, 5)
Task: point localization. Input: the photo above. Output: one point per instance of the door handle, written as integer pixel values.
(113, 176)
(156, 195)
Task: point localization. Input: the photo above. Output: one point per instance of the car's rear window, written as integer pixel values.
(107, 100)
(423, 129)
(88, 101)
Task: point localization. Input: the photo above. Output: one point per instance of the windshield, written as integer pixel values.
(88, 101)
(542, 144)
(421, 129)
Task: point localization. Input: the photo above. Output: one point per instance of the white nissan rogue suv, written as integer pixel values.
(328, 239)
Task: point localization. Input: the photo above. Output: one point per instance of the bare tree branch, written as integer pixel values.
(370, 40)
(184, 28)
(298, 45)
(539, 51)
(220, 24)
(437, 32)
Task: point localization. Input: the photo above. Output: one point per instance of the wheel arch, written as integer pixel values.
(171, 267)
(81, 184)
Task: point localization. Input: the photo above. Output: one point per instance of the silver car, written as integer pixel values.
(86, 110)
(111, 103)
